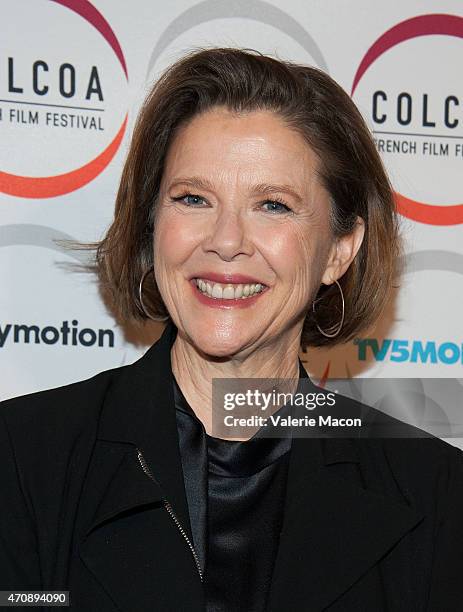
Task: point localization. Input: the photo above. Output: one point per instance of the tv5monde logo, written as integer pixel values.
(62, 96)
(407, 87)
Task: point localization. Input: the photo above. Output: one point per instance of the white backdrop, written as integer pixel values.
(73, 74)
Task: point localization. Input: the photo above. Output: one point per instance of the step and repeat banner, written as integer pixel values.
(73, 74)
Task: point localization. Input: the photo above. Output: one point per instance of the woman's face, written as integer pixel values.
(241, 205)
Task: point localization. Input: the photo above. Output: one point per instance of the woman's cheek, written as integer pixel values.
(182, 232)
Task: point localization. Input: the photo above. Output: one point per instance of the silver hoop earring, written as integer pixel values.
(336, 333)
(140, 296)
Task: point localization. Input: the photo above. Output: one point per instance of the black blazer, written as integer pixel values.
(369, 525)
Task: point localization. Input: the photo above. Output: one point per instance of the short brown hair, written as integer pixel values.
(309, 101)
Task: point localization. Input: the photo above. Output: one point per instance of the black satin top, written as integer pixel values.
(235, 492)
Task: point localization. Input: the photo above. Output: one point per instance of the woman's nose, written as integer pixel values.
(228, 236)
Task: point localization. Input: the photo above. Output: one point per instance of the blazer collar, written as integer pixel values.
(142, 396)
(139, 410)
(334, 526)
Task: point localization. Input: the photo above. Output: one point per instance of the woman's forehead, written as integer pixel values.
(255, 147)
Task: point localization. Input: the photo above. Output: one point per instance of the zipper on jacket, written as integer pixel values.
(172, 514)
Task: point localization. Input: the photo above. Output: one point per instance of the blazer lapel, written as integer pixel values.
(129, 540)
(334, 529)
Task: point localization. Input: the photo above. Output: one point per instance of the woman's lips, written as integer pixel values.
(225, 303)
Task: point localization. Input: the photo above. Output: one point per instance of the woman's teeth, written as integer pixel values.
(228, 291)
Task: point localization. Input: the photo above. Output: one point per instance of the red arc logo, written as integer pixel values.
(52, 186)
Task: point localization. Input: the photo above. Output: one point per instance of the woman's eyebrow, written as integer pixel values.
(263, 188)
(193, 181)
(260, 188)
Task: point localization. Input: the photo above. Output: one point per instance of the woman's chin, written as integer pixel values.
(220, 343)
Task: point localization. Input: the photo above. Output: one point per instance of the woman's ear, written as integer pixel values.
(342, 252)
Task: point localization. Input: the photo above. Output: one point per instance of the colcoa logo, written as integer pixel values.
(406, 87)
(59, 96)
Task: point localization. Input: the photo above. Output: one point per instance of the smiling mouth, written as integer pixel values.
(228, 291)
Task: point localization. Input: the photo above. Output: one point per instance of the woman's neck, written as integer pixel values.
(194, 372)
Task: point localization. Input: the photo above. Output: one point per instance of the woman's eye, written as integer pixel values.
(276, 206)
(189, 199)
(196, 201)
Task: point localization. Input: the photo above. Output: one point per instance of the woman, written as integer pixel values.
(255, 216)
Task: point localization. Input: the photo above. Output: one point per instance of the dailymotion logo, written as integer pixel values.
(67, 334)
